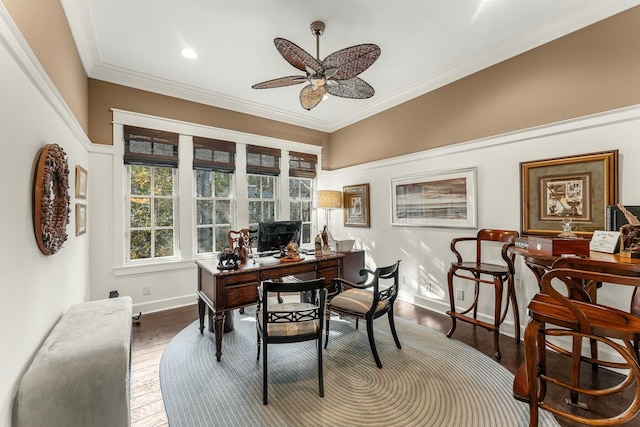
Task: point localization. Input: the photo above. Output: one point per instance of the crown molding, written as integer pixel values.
(574, 18)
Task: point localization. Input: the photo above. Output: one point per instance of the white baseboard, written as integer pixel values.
(165, 304)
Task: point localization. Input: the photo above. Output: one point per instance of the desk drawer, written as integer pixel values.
(241, 295)
(328, 263)
(239, 278)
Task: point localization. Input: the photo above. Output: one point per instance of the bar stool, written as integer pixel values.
(482, 272)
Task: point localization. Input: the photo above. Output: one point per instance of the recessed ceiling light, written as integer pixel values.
(187, 52)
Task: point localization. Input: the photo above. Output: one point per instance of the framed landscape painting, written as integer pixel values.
(442, 199)
(575, 189)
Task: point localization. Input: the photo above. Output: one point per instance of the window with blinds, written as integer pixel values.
(214, 165)
(150, 147)
(151, 158)
(263, 160)
(214, 155)
(302, 165)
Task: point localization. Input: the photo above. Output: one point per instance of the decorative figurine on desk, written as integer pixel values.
(228, 260)
(325, 242)
(566, 229)
(630, 234)
(318, 246)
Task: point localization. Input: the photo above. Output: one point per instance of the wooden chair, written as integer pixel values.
(242, 240)
(477, 271)
(367, 300)
(554, 313)
(290, 322)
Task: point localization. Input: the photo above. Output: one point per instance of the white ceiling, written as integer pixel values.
(425, 44)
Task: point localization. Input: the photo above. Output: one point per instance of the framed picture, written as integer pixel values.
(356, 205)
(574, 189)
(81, 182)
(81, 219)
(442, 199)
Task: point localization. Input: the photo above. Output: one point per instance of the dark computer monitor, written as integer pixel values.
(272, 235)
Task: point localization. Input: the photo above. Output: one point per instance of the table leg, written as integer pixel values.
(201, 309)
(219, 320)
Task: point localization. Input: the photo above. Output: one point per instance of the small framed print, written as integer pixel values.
(81, 218)
(356, 205)
(81, 183)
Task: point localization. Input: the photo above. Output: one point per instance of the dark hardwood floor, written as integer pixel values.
(157, 329)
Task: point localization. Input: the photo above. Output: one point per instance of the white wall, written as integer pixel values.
(425, 252)
(35, 289)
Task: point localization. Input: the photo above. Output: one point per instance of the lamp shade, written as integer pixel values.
(329, 199)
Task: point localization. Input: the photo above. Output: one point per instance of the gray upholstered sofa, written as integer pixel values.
(80, 375)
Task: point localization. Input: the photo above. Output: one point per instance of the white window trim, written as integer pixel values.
(185, 213)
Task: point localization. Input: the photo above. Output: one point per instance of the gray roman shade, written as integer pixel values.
(302, 165)
(263, 160)
(150, 147)
(214, 155)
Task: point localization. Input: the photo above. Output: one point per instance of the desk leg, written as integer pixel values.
(201, 309)
(219, 321)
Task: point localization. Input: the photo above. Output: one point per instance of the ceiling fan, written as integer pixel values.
(336, 74)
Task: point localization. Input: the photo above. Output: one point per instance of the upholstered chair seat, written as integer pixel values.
(288, 319)
(357, 301)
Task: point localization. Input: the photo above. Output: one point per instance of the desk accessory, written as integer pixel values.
(558, 246)
(605, 241)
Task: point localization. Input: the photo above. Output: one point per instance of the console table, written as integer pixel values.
(225, 290)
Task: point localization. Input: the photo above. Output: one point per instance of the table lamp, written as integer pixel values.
(328, 200)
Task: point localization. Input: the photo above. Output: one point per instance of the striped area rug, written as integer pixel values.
(431, 381)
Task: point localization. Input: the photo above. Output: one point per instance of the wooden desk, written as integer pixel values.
(225, 290)
(540, 264)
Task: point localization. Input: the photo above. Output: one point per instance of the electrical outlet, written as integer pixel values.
(460, 294)
(146, 290)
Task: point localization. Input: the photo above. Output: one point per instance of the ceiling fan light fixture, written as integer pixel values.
(336, 74)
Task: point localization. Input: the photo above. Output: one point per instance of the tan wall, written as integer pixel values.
(105, 96)
(592, 70)
(44, 26)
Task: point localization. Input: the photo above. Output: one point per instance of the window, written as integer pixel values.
(263, 168)
(261, 192)
(213, 164)
(300, 200)
(213, 210)
(302, 172)
(151, 212)
(151, 158)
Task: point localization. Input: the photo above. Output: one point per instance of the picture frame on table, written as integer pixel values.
(438, 199)
(81, 182)
(572, 189)
(81, 218)
(357, 212)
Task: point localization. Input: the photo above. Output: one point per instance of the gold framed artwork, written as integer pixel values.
(81, 182)
(572, 189)
(439, 199)
(356, 205)
(81, 218)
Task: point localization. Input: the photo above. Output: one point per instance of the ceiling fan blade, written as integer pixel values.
(354, 88)
(280, 82)
(296, 56)
(310, 97)
(351, 61)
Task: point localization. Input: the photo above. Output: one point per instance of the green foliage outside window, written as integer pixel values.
(151, 233)
(300, 201)
(213, 210)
